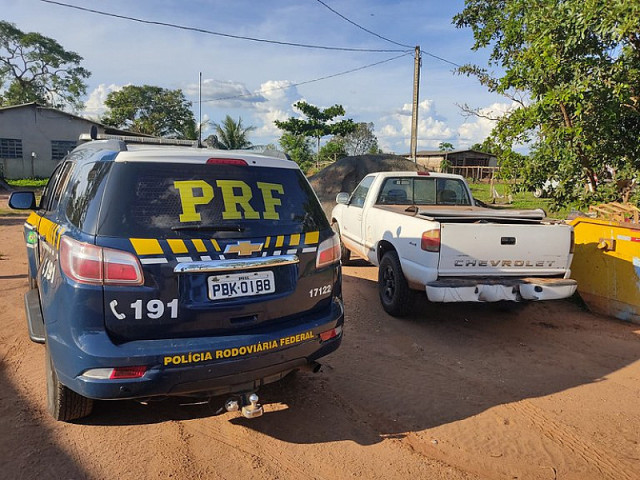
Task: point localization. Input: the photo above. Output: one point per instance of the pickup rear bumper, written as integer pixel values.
(487, 289)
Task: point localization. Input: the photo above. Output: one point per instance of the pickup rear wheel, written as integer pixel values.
(63, 403)
(395, 295)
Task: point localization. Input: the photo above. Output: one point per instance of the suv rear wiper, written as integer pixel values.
(209, 228)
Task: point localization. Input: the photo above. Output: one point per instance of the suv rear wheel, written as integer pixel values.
(63, 404)
(395, 295)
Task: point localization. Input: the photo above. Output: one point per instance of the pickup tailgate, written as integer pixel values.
(486, 249)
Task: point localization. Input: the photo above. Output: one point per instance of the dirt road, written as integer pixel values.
(455, 392)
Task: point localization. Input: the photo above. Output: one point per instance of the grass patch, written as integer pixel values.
(520, 200)
(28, 182)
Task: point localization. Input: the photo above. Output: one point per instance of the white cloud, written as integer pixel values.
(94, 107)
(280, 97)
(477, 130)
(424, 107)
(223, 94)
(395, 133)
(206, 124)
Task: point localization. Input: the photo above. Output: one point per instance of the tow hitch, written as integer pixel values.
(249, 404)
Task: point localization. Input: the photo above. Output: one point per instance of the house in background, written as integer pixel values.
(34, 138)
(462, 162)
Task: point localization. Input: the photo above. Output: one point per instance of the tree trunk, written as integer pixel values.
(584, 160)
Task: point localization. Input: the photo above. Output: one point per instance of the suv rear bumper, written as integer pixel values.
(488, 289)
(189, 366)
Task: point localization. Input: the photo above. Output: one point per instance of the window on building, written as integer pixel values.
(59, 148)
(10, 148)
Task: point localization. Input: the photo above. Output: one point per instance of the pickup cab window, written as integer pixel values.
(423, 191)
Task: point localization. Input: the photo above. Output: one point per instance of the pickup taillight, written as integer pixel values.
(431, 240)
(93, 265)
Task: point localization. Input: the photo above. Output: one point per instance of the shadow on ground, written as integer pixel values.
(442, 364)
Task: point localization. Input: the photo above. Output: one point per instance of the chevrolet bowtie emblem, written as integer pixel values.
(244, 248)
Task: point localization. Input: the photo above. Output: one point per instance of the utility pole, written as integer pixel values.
(200, 114)
(416, 100)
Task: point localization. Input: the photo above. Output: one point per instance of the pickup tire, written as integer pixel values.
(395, 295)
(63, 403)
(345, 253)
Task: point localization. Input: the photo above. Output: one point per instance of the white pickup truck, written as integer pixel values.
(426, 232)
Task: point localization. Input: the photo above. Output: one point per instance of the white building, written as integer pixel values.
(34, 138)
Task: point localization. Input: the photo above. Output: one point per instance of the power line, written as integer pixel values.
(385, 38)
(220, 34)
(231, 97)
(440, 58)
(361, 27)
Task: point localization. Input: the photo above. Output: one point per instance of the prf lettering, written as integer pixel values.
(236, 197)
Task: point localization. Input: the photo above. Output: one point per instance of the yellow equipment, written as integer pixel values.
(606, 262)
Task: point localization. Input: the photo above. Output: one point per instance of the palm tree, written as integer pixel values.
(232, 135)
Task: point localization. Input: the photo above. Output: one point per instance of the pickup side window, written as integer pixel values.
(423, 191)
(360, 193)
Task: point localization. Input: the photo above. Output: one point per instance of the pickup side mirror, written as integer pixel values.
(22, 201)
(342, 198)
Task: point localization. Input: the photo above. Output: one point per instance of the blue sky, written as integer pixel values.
(119, 52)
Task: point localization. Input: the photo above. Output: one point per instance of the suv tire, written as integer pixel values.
(63, 404)
(395, 295)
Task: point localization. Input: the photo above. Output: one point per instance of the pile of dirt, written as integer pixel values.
(345, 174)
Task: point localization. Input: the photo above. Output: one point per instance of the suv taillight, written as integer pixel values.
(328, 252)
(431, 240)
(86, 263)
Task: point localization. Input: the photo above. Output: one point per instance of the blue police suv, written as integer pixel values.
(174, 271)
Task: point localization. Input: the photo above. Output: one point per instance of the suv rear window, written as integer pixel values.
(169, 199)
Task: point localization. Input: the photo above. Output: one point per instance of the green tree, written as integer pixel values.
(573, 69)
(298, 147)
(35, 68)
(480, 147)
(333, 150)
(232, 135)
(318, 122)
(445, 147)
(151, 110)
(361, 140)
